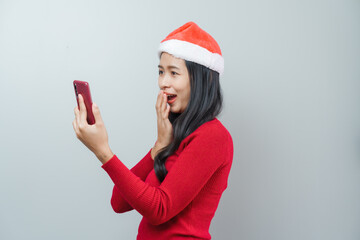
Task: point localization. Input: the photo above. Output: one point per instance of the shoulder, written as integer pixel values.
(211, 140)
(211, 133)
(213, 129)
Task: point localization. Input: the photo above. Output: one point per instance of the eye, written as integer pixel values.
(160, 72)
(174, 73)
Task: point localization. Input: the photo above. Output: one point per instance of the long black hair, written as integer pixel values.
(205, 104)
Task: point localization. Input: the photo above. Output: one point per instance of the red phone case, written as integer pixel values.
(83, 88)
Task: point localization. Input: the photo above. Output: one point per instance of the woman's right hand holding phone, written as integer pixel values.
(164, 126)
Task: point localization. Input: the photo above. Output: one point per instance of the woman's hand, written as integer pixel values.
(93, 136)
(164, 127)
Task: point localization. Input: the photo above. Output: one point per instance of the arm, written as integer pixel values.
(95, 138)
(141, 170)
(193, 168)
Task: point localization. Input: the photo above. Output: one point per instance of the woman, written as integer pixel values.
(177, 186)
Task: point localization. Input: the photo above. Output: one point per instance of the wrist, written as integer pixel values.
(154, 151)
(104, 155)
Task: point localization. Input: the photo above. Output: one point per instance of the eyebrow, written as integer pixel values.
(171, 66)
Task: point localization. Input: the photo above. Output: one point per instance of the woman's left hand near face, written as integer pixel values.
(94, 136)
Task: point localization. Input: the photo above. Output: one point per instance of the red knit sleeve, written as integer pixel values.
(141, 169)
(203, 155)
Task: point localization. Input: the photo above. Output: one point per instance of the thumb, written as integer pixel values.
(96, 112)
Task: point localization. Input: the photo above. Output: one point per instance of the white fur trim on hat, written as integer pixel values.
(194, 53)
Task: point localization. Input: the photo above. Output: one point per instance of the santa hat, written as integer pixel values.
(192, 43)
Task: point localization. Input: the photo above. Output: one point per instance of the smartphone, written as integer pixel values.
(83, 88)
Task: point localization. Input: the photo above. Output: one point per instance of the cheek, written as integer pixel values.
(187, 95)
(188, 92)
(183, 88)
(188, 88)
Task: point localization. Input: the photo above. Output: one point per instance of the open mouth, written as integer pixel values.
(171, 98)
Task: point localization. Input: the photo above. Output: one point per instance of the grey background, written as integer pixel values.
(292, 104)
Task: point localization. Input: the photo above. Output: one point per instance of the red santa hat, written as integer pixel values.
(192, 43)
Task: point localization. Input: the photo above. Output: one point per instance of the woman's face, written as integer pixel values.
(174, 81)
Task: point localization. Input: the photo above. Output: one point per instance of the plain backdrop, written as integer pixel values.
(291, 102)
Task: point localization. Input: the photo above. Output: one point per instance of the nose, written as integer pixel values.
(164, 82)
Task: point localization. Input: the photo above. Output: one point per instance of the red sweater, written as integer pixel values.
(183, 205)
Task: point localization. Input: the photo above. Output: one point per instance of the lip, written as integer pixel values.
(172, 100)
(169, 93)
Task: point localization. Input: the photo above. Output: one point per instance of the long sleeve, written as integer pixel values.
(204, 153)
(141, 170)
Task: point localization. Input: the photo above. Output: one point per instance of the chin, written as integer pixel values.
(175, 110)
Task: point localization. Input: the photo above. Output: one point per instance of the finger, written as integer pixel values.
(74, 125)
(162, 104)
(77, 115)
(75, 128)
(97, 115)
(167, 112)
(158, 105)
(83, 114)
(158, 101)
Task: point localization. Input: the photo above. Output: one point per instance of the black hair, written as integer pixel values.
(205, 104)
